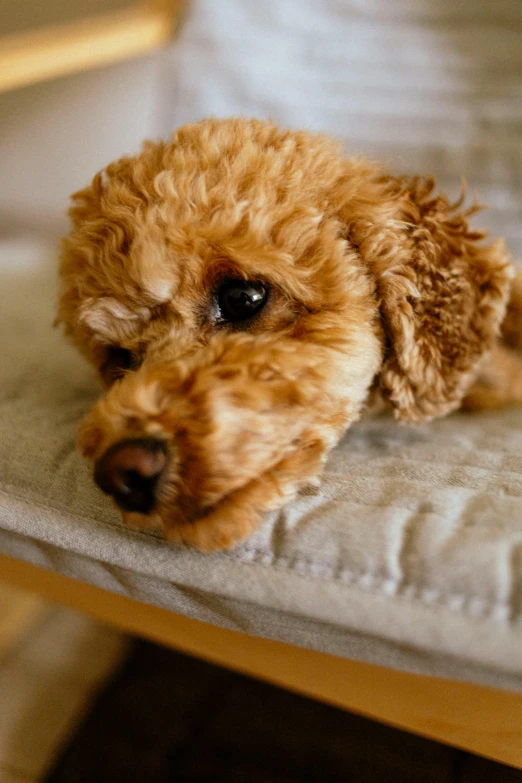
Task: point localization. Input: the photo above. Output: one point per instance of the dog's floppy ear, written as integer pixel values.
(442, 293)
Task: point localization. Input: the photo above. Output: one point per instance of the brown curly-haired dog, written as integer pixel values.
(246, 292)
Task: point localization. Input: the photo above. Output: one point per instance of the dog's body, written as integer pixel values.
(252, 291)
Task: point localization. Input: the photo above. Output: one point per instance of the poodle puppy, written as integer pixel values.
(245, 293)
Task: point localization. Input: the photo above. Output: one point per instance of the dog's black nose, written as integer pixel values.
(130, 471)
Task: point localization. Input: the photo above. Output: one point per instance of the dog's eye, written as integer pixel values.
(239, 300)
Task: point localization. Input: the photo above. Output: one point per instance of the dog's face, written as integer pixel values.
(227, 287)
(227, 229)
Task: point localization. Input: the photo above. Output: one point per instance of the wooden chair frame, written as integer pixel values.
(58, 50)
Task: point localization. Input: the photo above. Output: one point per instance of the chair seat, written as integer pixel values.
(408, 555)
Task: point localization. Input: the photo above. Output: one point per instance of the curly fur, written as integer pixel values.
(378, 289)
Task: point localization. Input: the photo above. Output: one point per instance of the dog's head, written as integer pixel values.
(236, 233)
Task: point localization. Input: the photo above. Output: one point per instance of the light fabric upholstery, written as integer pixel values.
(410, 553)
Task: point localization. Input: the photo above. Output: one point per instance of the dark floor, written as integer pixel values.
(166, 717)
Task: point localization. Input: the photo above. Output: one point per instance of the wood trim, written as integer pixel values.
(19, 612)
(478, 719)
(58, 50)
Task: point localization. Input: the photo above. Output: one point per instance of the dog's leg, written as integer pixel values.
(499, 382)
(512, 325)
